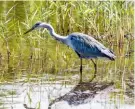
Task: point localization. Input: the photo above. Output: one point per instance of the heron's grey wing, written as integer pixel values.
(87, 46)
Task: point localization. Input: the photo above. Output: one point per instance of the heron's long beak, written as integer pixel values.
(29, 30)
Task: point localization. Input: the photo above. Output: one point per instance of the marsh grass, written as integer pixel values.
(110, 22)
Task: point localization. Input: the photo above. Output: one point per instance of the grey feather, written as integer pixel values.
(87, 47)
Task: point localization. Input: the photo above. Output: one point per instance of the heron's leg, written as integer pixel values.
(95, 73)
(81, 70)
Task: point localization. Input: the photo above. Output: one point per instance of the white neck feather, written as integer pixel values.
(53, 34)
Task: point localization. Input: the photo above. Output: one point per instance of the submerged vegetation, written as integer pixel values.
(37, 53)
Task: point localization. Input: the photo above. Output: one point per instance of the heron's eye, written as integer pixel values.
(72, 38)
(36, 24)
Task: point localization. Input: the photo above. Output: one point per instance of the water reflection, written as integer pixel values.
(41, 94)
(83, 92)
(87, 95)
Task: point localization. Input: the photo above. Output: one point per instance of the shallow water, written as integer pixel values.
(21, 95)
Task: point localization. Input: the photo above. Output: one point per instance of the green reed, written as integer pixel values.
(38, 53)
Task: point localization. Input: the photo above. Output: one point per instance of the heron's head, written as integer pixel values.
(35, 26)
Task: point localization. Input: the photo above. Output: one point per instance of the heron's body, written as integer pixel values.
(84, 45)
(87, 47)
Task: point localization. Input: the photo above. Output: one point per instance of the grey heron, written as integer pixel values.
(84, 45)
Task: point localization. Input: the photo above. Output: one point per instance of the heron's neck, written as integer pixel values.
(54, 35)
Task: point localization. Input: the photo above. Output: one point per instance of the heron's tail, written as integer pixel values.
(108, 54)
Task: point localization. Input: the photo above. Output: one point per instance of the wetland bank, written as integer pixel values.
(37, 59)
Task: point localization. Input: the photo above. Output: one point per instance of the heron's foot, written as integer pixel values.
(93, 78)
(80, 81)
(95, 73)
